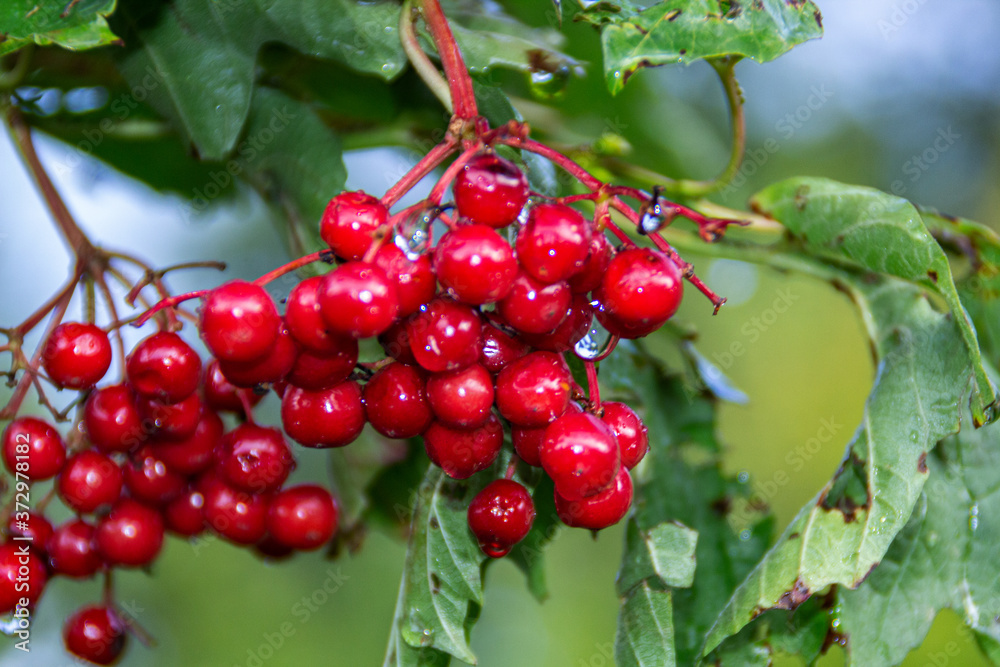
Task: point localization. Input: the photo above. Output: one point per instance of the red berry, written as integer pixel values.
(236, 515)
(415, 280)
(77, 355)
(304, 319)
(445, 336)
(462, 398)
(331, 417)
(580, 454)
(528, 441)
(22, 576)
(349, 221)
(223, 395)
(72, 549)
(131, 534)
(172, 421)
(462, 453)
(554, 243)
(589, 277)
(500, 516)
(576, 325)
(533, 307)
(316, 371)
(396, 401)
(95, 634)
(396, 342)
(254, 458)
(490, 190)
(357, 299)
(499, 348)
(89, 480)
(149, 479)
(183, 514)
(599, 511)
(239, 321)
(633, 439)
(36, 445)
(163, 367)
(475, 263)
(276, 363)
(640, 290)
(112, 419)
(302, 517)
(32, 526)
(195, 453)
(535, 389)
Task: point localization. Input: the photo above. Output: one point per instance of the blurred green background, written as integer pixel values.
(864, 105)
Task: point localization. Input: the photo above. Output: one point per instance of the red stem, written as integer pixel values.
(293, 265)
(462, 97)
(567, 163)
(450, 173)
(426, 165)
(167, 303)
(593, 390)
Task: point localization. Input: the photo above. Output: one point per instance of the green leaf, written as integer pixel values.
(838, 538)
(871, 230)
(664, 553)
(528, 554)
(220, 41)
(675, 31)
(645, 635)
(42, 22)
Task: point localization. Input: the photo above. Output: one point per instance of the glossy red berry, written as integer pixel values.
(89, 481)
(183, 514)
(576, 325)
(445, 336)
(599, 511)
(171, 421)
(475, 264)
(461, 398)
(640, 291)
(395, 341)
(32, 526)
(331, 417)
(22, 575)
(223, 395)
(580, 454)
(633, 439)
(195, 453)
(349, 221)
(534, 390)
(238, 516)
(72, 549)
(415, 279)
(534, 307)
(148, 479)
(490, 190)
(304, 319)
(254, 458)
(77, 355)
(500, 516)
(163, 367)
(130, 535)
(589, 277)
(462, 453)
(302, 517)
(112, 421)
(357, 299)
(276, 363)
(317, 371)
(500, 348)
(396, 401)
(95, 634)
(239, 321)
(554, 244)
(33, 448)
(528, 441)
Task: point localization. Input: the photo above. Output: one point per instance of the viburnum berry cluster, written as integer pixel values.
(480, 303)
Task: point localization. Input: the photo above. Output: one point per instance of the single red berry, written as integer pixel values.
(77, 355)
(254, 458)
(534, 390)
(223, 395)
(599, 511)
(554, 244)
(589, 277)
(112, 421)
(462, 453)
(149, 479)
(130, 535)
(461, 398)
(500, 516)
(445, 336)
(183, 514)
(33, 448)
(490, 190)
(89, 481)
(580, 454)
(639, 292)
(304, 319)
(163, 367)
(239, 321)
(72, 549)
(302, 517)
(349, 221)
(33, 527)
(357, 299)
(95, 634)
(576, 325)
(272, 367)
(415, 279)
(195, 453)
(533, 307)
(331, 417)
(396, 401)
(528, 441)
(499, 348)
(22, 575)
(317, 371)
(236, 515)
(633, 439)
(170, 421)
(395, 341)
(475, 264)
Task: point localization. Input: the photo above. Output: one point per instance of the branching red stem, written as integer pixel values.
(462, 97)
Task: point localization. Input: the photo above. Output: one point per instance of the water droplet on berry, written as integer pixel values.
(594, 344)
(414, 236)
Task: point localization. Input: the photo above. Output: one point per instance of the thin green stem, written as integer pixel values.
(421, 63)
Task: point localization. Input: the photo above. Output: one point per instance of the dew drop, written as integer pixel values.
(594, 344)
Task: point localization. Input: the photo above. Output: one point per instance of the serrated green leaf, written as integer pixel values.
(48, 22)
(529, 554)
(220, 41)
(645, 635)
(878, 232)
(664, 553)
(674, 31)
